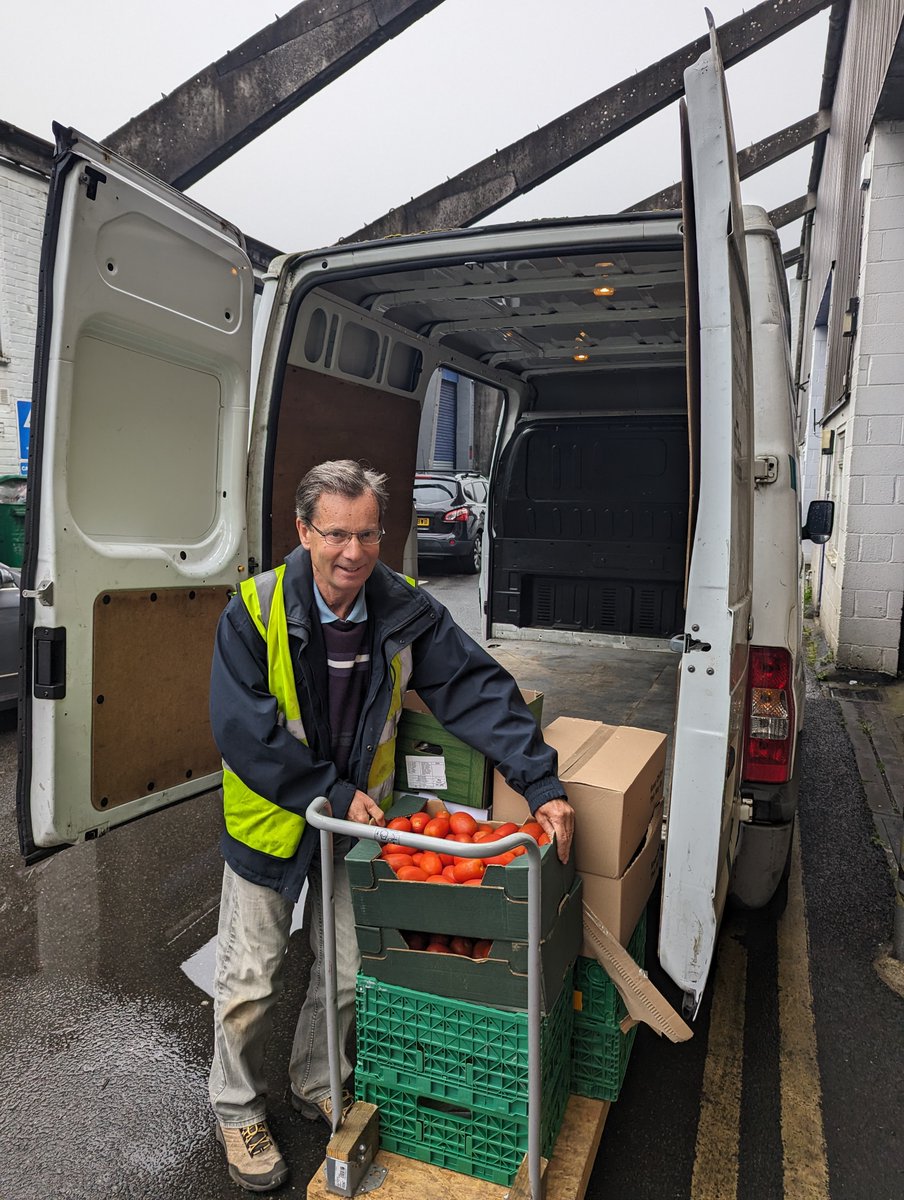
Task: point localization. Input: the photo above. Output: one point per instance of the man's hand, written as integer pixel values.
(363, 810)
(557, 817)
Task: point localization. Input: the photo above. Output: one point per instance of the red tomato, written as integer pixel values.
(441, 938)
(447, 859)
(419, 821)
(416, 857)
(437, 948)
(461, 945)
(533, 828)
(504, 830)
(462, 822)
(400, 823)
(473, 882)
(411, 874)
(449, 873)
(500, 860)
(397, 861)
(415, 940)
(437, 828)
(544, 839)
(460, 837)
(436, 879)
(468, 869)
(482, 949)
(485, 828)
(391, 850)
(519, 850)
(430, 863)
(485, 835)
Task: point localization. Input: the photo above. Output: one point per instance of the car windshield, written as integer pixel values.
(434, 493)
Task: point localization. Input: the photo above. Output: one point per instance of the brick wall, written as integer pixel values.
(23, 198)
(863, 587)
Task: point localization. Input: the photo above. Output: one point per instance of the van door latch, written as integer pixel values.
(765, 469)
(683, 643)
(43, 592)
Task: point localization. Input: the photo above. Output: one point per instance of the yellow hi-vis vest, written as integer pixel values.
(251, 818)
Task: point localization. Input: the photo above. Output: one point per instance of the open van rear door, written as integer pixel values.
(136, 502)
(702, 825)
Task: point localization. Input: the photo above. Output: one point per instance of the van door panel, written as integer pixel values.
(703, 816)
(168, 743)
(322, 417)
(136, 500)
(607, 496)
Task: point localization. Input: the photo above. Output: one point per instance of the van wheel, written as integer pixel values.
(472, 562)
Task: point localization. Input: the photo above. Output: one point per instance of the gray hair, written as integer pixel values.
(342, 477)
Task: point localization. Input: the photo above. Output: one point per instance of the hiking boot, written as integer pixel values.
(253, 1157)
(322, 1109)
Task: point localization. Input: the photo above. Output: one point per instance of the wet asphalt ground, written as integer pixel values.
(105, 1017)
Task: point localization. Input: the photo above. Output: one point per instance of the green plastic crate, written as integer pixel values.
(453, 1051)
(599, 1058)
(595, 995)
(468, 773)
(485, 1145)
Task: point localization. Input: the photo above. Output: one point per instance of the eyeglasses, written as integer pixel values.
(342, 537)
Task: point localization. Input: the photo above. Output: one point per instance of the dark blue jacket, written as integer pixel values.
(466, 689)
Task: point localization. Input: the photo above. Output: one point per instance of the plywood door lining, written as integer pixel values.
(324, 418)
(151, 681)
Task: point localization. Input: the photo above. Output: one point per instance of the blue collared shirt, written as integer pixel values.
(327, 616)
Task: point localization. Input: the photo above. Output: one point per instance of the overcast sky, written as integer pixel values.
(470, 77)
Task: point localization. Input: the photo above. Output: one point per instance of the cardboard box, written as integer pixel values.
(618, 903)
(613, 778)
(430, 759)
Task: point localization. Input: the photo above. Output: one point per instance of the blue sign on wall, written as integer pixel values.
(24, 413)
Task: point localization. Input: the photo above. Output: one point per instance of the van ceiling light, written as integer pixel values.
(605, 290)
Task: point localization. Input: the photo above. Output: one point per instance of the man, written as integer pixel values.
(309, 669)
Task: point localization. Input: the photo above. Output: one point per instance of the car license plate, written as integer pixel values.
(423, 522)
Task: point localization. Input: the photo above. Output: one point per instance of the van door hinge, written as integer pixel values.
(43, 592)
(765, 469)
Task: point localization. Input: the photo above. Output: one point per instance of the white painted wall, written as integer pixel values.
(863, 581)
(23, 198)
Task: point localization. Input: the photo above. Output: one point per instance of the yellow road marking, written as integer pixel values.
(718, 1129)
(806, 1173)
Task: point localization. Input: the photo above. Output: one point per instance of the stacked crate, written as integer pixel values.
(442, 1041)
(599, 1049)
(451, 1078)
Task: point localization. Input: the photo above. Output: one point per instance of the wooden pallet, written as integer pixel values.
(566, 1176)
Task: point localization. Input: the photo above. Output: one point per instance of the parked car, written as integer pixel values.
(9, 636)
(450, 516)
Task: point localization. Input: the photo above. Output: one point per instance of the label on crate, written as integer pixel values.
(425, 774)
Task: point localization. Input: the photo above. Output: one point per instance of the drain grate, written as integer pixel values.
(846, 693)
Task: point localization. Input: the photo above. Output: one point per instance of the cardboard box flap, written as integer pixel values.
(612, 754)
(642, 998)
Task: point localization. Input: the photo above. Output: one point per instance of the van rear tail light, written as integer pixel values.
(770, 715)
(456, 514)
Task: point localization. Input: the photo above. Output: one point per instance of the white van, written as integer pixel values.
(168, 438)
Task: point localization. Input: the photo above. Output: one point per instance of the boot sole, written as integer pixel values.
(237, 1177)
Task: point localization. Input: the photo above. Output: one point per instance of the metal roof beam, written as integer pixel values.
(25, 150)
(793, 210)
(486, 186)
(751, 160)
(209, 117)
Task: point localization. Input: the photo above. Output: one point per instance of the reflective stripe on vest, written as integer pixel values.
(251, 818)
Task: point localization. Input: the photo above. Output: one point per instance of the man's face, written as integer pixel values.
(341, 571)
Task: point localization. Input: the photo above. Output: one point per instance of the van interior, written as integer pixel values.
(590, 502)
